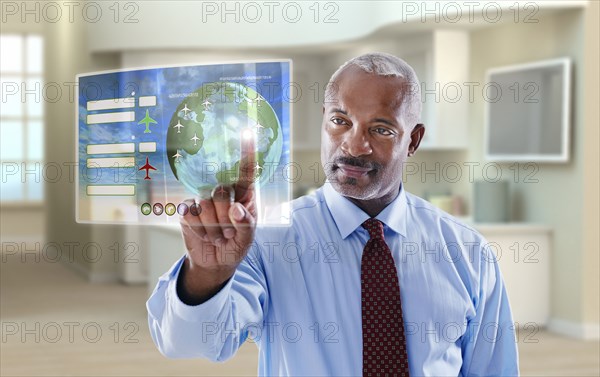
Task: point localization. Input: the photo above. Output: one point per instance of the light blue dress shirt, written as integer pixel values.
(297, 295)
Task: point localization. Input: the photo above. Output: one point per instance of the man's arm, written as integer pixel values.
(489, 346)
(198, 307)
(216, 328)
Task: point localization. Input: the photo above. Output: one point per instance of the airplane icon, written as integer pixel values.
(178, 126)
(177, 156)
(195, 138)
(257, 100)
(147, 121)
(185, 109)
(206, 104)
(147, 168)
(258, 126)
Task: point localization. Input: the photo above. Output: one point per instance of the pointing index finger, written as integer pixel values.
(247, 168)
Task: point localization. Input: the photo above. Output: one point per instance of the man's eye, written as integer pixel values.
(383, 131)
(338, 121)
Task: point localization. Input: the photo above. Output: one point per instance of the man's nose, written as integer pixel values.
(356, 142)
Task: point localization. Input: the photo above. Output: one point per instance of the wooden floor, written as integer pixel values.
(54, 323)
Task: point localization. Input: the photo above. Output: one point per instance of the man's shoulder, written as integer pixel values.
(421, 211)
(307, 206)
(458, 242)
(307, 203)
(298, 210)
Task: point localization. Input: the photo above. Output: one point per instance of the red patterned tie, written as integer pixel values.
(384, 343)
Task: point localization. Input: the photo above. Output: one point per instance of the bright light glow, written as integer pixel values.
(11, 52)
(247, 133)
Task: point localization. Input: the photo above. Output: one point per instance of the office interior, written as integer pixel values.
(73, 295)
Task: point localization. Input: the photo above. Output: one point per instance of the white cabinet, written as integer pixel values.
(523, 252)
(441, 60)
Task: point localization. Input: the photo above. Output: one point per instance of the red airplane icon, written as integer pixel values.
(147, 168)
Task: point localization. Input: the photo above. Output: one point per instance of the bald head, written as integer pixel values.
(382, 64)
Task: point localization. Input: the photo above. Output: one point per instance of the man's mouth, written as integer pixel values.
(353, 171)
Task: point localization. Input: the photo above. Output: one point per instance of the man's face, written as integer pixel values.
(364, 139)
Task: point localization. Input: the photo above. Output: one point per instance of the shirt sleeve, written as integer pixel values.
(216, 328)
(489, 346)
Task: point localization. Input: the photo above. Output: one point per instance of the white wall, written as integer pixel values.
(558, 199)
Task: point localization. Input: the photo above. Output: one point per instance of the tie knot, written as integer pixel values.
(374, 227)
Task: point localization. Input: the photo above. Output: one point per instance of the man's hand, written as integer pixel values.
(218, 232)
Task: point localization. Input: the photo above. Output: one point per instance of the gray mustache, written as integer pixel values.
(357, 162)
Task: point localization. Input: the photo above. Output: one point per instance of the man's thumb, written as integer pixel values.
(242, 221)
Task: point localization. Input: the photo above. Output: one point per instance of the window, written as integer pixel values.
(21, 118)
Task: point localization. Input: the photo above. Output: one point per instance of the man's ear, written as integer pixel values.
(416, 135)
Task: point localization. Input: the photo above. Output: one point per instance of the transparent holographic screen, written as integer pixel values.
(150, 138)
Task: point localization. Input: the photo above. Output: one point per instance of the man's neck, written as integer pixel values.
(373, 207)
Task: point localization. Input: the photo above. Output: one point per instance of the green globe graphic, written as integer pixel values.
(205, 131)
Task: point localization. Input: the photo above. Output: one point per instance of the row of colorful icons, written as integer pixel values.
(170, 209)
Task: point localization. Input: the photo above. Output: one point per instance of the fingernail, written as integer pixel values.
(238, 213)
(229, 233)
(219, 241)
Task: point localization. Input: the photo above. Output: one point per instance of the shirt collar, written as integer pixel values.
(348, 217)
